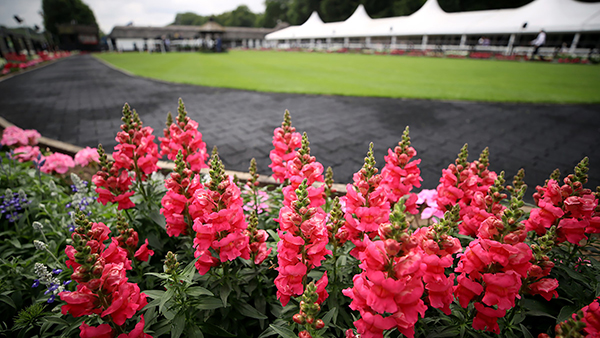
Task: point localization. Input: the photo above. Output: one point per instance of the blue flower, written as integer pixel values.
(51, 299)
(56, 271)
(36, 283)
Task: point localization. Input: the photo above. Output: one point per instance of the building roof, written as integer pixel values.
(554, 16)
(188, 32)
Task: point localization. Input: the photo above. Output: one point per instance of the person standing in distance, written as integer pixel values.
(537, 43)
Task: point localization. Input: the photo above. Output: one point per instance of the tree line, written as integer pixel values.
(296, 12)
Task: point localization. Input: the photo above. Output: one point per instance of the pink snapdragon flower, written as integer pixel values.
(286, 142)
(86, 156)
(183, 135)
(219, 220)
(136, 151)
(400, 174)
(302, 247)
(367, 205)
(57, 162)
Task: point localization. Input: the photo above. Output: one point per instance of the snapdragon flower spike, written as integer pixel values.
(181, 187)
(219, 223)
(310, 308)
(112, 185)
(286, 141)
(583, 323)
(128, 239)
(257, 239)
(401, 174)
(367, 206)
(256, 200)
(481, 207)
(438, 248)
(183, 135)
(136, 151)
(329, 191)
(302, 247)
(304, 167)
(100, 272)
(335, 225)
(495, 266)
(388, 291)
(570, 207)
(466, 184)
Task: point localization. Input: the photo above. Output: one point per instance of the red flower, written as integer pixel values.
(143, 253)
(545, 287)
(101, 331)
(487, 318)
(126, 301)
(137, 332)
(79, 303)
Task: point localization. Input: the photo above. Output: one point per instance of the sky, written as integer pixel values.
(110, 13)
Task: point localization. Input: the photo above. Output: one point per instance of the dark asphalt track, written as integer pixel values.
(79, 100)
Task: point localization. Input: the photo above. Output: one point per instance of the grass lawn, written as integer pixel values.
(372, 75)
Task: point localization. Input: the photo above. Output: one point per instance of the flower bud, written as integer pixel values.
(319, 324)
(298, 318)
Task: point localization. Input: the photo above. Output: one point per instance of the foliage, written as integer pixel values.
(224, 258)
(58, 12)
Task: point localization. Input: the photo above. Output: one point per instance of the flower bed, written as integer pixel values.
(199, 253)
(18, 62)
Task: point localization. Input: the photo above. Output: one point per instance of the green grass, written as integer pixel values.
(372, 75)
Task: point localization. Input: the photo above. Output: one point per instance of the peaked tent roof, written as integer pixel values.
(566, 16)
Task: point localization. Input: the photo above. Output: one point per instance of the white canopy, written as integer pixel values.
(554, 16)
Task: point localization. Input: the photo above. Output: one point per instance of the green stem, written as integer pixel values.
(51, 254)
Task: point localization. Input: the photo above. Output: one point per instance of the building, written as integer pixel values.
(130, 38)
(79, 37)
(570, 25)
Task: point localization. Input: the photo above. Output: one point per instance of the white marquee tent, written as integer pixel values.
(554, 16)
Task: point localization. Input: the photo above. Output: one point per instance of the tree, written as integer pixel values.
(57, 12)
(338, 10)
(300, 10)
(239, 17)
(189, 19)
(275, 10)
(406, 7)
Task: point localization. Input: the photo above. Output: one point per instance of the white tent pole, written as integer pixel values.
(511, 42)
(574, 43)
(424, 42)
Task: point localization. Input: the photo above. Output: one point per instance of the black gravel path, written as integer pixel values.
(79, 100)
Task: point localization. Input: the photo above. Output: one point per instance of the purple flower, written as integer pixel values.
(36, 283)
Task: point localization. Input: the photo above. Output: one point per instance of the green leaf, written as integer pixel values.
(188, 272)
(15, 242)
(283, 331)
(526, 333)
(197, 291)
(56, 320)
(209, 303)
(215, 331)
(164, 300)
(192, 330)
(249, 311)
(159, 275)
(573, 274)
(328, 316)
(154, 294)
(225, 291)
(158, 218)
(565, 313)
(178, 325)
(8, 300)
(267, 333)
